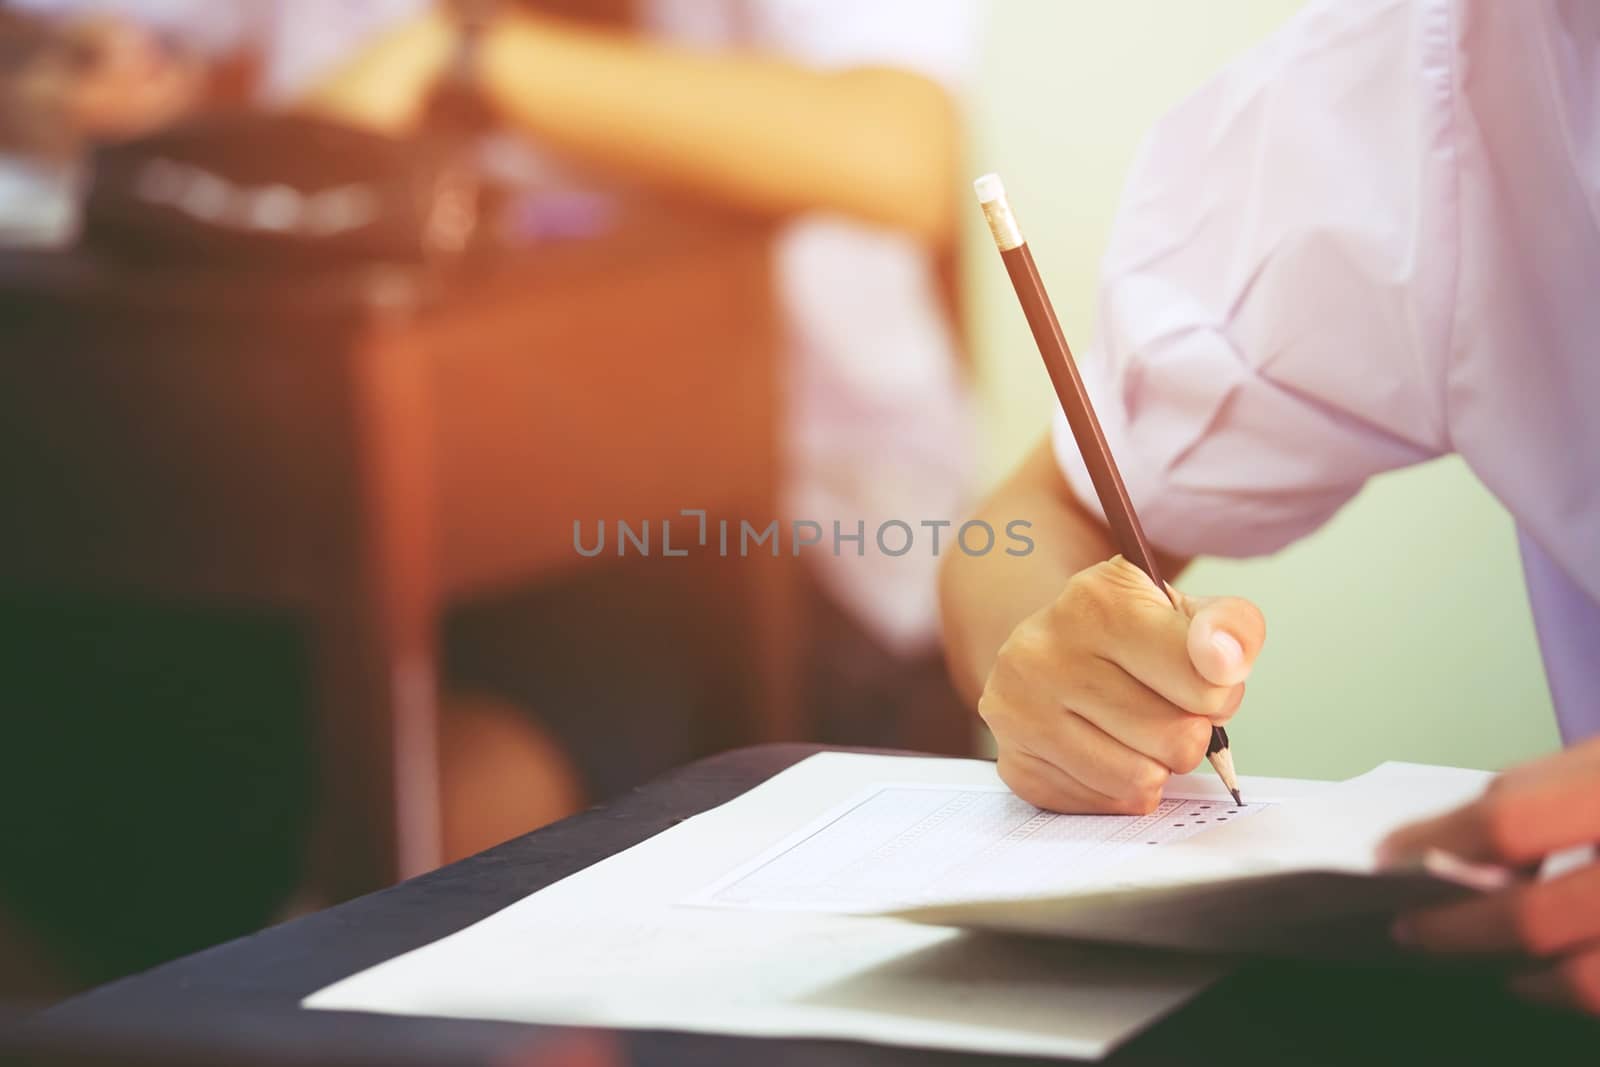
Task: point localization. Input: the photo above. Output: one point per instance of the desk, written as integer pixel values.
(362, 446)
(237, 1001)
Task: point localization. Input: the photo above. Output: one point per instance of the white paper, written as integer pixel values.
(1338, 829)
(903, 844)
(614, 946)
(1300, 879)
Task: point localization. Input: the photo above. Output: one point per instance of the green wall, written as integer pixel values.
(1399, 631)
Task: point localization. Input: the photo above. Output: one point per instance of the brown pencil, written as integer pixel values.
(1063, 371)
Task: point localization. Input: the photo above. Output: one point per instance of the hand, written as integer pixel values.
(386, 87)
(1526, 814)
(130, 84)
(1099, 697)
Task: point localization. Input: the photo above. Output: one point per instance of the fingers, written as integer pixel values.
(1096, 759)
(1538, 919)
(1142, 720)
(1047, 786)
(1525, 815)
(1106, 775)
(1467, 833)
(1572, 983)
(1225, 636)
(1114, 611)
(1096, 700)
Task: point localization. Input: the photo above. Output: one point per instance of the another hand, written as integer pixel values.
(387, 85)
(98, 78)
(129, 83)
(1099, 697)
(1526, 814)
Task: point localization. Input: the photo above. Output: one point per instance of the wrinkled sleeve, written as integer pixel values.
(1275, 302)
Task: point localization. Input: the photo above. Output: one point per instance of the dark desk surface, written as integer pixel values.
(237, 1002)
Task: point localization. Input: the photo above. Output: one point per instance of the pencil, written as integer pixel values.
(1074, 399)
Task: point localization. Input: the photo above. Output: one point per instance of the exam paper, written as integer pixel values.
(616, 946)
(1301, 880)
(904, 844)
(1337, 829)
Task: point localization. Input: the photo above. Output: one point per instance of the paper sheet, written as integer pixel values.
(1338, 829)
(614, 945)
(1299, 880)
(898, 845)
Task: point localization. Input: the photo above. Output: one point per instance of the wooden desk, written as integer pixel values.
(238, 1002)
(364, 446)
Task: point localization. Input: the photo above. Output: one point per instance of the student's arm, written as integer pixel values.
(1527, 814)
(1095, 687)
(753, 130)
(1250, 374)
(985, 597)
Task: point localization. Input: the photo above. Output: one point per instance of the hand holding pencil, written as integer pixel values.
(1121, 681)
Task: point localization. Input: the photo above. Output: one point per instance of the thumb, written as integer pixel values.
(1225, 636)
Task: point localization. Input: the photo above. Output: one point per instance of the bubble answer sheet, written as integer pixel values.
(897, 845)
(749, 918)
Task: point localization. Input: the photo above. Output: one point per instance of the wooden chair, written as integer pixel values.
(364, 447)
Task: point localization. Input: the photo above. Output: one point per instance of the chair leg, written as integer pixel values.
(377, 632)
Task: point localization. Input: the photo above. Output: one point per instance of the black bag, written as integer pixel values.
(254, 189)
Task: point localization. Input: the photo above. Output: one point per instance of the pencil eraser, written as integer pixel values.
(989, 189)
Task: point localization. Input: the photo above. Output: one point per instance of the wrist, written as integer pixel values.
(433, 43)
(506, 49)
(471, 21)
(460, 98)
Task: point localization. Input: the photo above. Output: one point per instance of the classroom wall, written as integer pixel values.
(1399, 631)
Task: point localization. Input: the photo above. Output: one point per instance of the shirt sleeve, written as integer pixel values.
(1275, 303)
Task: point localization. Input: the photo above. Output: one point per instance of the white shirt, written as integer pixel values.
(879, 420)
(879, 417)
(1372, 241)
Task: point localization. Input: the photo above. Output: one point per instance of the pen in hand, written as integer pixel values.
(1075, 405)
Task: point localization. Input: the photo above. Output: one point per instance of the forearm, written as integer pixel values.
(752, 130)
(983, 598)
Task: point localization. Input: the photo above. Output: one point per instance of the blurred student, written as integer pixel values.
(841, 117)
(60, 84)
(838, 116)
(85, 77)
(111, 71)
(1369, 243)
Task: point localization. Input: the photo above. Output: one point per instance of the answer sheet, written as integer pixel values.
(616, 945)
(903, 845)
(1299, 878)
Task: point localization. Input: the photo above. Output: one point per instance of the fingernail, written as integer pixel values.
(1229, 648)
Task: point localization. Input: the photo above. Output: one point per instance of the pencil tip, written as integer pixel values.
(1237, 799)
